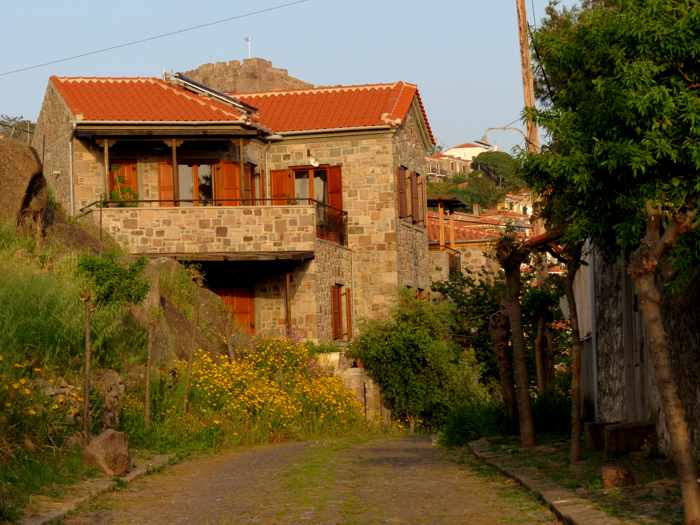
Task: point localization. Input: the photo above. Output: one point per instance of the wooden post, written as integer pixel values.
(88, 359)
(176, 179)
(533, 139)
(287, 307)
(241, 166)
(441, 222)
(452, 231)
(105, 159)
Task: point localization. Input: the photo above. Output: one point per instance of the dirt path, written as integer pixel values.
(392, 481)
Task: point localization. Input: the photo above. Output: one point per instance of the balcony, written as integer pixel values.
(234, 229)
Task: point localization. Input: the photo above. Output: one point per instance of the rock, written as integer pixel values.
(111, 387)
(616, 476)
(23, 195)
(109, 452)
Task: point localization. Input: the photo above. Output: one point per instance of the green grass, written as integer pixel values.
(655, 498)
(48, 474)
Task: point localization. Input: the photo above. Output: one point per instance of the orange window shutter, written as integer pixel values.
(348, 310)
(401, 191)
(228, 184)
(166, 191)
(282, 186)
(335, 311)
(130, 177)
(335, 187)
(414, 197)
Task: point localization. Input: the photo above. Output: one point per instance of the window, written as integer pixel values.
(311, 183)
(195, 183)
(341, 316)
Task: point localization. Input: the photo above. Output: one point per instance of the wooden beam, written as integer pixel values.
(287, 305)
(452, 231)
(176, 179)
(441, 222)
(241, 162)
(106, 144)
(238, 256)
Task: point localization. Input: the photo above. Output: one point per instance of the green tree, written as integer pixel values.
(500, 168)
(413, 358)
(620, 90)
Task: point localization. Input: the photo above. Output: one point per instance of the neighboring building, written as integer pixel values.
(520, 203)
(306, 209)
(246, 76)
(441, 166)
(468, 150)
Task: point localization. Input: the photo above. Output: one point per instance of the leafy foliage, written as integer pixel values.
(621, 104)
(412, 356)
(114, 282)
(476, 297)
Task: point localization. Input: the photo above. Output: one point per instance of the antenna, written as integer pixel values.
(249, 40)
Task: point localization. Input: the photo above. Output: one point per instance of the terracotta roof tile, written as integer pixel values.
(337, 107)
(139, 99)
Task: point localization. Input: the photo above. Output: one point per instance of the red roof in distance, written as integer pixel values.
(341, 107)
(140, 99)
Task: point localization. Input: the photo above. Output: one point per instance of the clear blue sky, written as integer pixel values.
(463, 54)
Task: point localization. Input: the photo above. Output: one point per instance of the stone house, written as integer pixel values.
(305, 209)
(443, 166)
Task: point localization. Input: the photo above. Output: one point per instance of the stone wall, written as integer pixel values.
(250, 76)
(409, 150)
(332, 265)
(474, 257)
(51, 141)
(210, 229)
(413, 257)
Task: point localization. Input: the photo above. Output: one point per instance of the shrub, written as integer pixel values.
(472, 420)
(412, 356)
(271, 392)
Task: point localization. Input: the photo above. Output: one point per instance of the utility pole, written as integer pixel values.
(533, 138)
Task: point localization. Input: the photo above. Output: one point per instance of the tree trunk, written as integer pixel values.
(527, 428)
(88, 362)
(498, 329)
(674, 411)
(411, 424)
(576, 349)
(147, 382)
(539, 353)
(549, 357)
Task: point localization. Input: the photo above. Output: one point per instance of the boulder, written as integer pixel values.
(23, 194)
(616, 476)
(109, 452)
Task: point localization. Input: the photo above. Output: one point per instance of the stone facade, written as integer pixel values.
(52, 142)
(210, 229)
(249, 76)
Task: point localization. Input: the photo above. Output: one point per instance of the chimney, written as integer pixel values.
(476, 209)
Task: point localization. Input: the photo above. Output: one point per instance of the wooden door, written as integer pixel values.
(241, 303)
(282, 182)
(166, 185)
(227, 184)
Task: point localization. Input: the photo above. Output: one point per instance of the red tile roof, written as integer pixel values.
(139, 99)
(338, 107)
(468, 145)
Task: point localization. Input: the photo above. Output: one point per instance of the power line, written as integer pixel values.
(151, 38)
